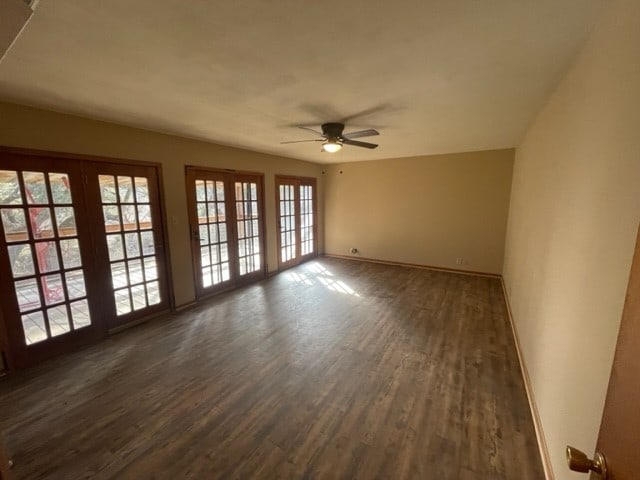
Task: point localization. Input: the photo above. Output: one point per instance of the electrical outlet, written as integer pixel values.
(353, 250)
(460, 261)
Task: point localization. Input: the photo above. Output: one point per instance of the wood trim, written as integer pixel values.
(533, 406)
(618, 436)
(5, 462)
(262, 199)
(8, 307)
(187, 306)
(199, 168)
(414, 265)
(314, 202)
(138, 321)
(75, 156)
(4, 346)
(191, 222)
(165, 239)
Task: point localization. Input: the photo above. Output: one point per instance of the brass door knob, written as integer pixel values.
(579, 462)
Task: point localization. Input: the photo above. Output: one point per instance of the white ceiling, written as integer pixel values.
(433, 76)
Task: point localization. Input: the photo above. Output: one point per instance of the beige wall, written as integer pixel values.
(38, 129)
(575, 208)
(428, 210)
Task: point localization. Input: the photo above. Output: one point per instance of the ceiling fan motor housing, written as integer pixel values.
(332, 130)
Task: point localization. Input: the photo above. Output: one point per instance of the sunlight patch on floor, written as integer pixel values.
(321, 275)
(298, 278)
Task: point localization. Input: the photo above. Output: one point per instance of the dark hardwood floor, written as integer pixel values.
(334, 369)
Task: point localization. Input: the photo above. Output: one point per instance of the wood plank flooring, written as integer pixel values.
(335, 369)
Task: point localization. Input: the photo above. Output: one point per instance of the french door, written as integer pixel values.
(225, 215)
(129, 240)
(46, 262)
(296, 203)
(55, 255)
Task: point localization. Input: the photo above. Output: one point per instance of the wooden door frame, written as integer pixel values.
(621, 396)
(228, 176)
(5, 459)
(4, 346)
(297, 181)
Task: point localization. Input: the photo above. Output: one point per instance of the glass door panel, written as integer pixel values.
(248, 227)
(212, 232)
(307, 224)
(133, 240)
(295, 198)
(287, 222)
(43, 257)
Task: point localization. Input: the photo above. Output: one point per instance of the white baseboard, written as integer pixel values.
(537, 423)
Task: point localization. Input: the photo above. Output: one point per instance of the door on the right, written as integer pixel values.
(296, 203)
(619, 438)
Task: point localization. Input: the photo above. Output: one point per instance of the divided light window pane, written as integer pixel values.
(130, 239)
(38, 218)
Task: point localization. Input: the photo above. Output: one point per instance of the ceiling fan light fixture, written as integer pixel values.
(331, 146)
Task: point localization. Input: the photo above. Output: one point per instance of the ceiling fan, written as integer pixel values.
(333, 137)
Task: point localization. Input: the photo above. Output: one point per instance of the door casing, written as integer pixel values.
(619, 437)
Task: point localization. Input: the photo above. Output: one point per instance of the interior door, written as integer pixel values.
(296, 203)
(225, 216)
(619, 438)
(129, 239)
(47, 264)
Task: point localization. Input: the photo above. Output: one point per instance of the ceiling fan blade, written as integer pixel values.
(302, 141)
(361, 133)
(311, 130)
(356, 143)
